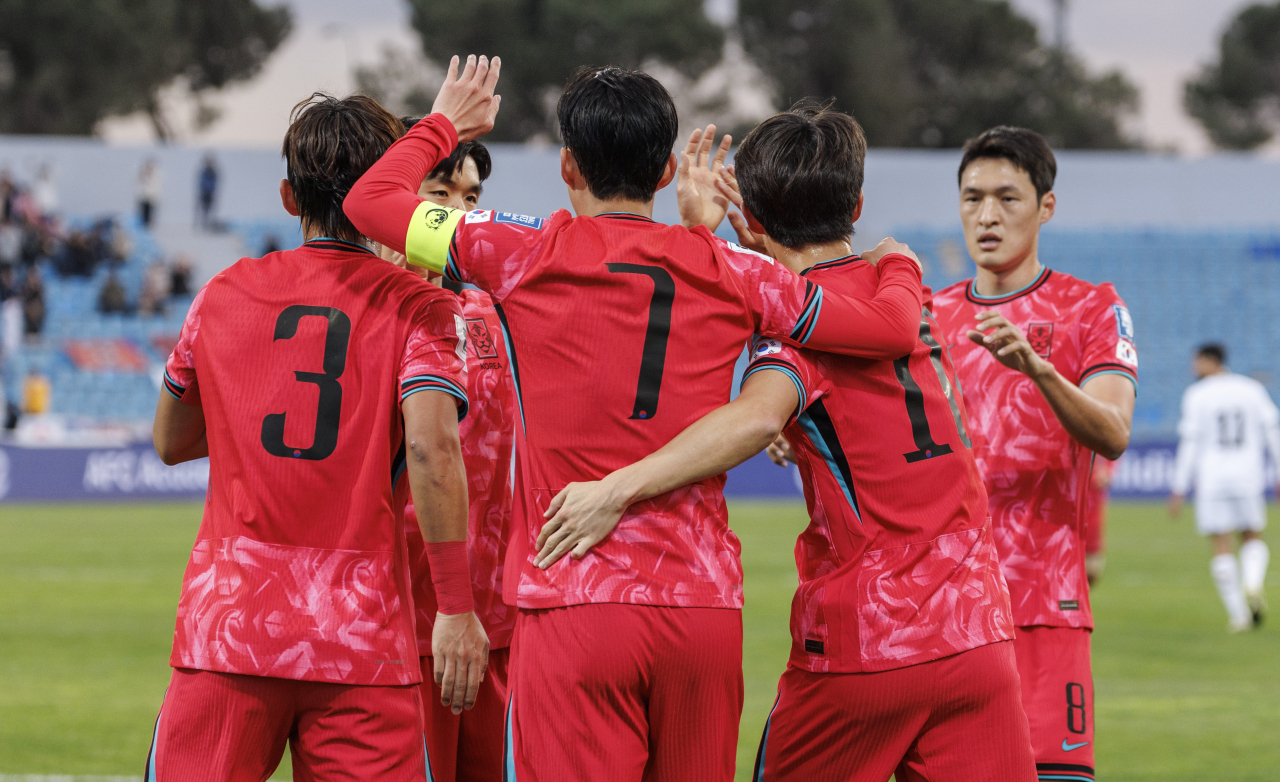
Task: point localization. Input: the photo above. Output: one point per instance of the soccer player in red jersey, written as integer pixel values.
(901, 659)
(1049, 372)
(315, 379)
(1095, 519)
(468, 747)
(626, 664)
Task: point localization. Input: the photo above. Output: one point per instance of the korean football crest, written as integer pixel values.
(481, 340)
(1040, 335)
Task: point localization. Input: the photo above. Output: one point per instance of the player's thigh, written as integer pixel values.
(977, 730)
(1253, 513)
(346, 732)
(1216, 516)
(220, 727)
(441, 728)
(579, 693)
(479, 741)
(695, 700)
(843, 727)
(1057, 693)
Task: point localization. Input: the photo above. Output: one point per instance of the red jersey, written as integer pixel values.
(622, 332)
(897, 566)
(488, 450)
(301, 360)
(1036, 475)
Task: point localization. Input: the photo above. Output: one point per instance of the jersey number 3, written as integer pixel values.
(327, 411)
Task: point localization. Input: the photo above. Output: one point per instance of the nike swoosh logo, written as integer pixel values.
(1068, 747)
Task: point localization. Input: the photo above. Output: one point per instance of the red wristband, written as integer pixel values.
(451, 576)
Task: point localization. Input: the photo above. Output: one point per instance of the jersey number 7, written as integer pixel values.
(329, 408)
(654, 354)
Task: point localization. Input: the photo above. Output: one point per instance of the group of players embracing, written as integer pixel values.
(399, 467)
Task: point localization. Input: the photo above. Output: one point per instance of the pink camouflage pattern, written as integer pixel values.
(488, 443)
(1036, 475)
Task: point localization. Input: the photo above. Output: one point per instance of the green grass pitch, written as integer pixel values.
(87, 597)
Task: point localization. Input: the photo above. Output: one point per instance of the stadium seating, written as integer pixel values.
(1182, 288)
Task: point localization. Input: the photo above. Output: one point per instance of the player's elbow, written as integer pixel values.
(165, 448)
(1114, 444)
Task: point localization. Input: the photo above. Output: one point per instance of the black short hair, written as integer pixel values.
(466, 149)
(1024, 148)
(329, 145)
(1214, 351)
(801, 172)
(621, 127)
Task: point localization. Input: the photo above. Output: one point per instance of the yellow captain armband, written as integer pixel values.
(430, 232)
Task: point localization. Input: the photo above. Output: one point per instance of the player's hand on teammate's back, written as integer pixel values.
(468, 100)
(780, 452)
(1008, 344)
(890, 246)
(747, 236)
(580, 516)
(460, 651)
(699, 198)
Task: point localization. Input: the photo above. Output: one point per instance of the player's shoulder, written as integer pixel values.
(730, 251)
(850, 268)
(480, 218)
(476, 303)
(1068, 287)
(952, 295)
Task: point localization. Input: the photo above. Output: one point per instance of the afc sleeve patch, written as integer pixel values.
(479, 216)
(1125, 350)
(461, 327)
(1124, 323)
(522, 220)
(737, 248)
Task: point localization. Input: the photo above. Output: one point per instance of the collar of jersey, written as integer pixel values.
(626, 216)
(974, 297)
(329, 243)
(832, 263)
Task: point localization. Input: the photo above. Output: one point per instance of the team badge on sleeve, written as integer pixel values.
(1124, 323)
(1040, 335)
(514, 219)
(1126, 352)
(479, 216)
(481, 339)
(765, 347)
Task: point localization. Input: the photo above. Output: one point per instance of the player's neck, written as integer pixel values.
(587, 205)
(993, 283)
(798, 259)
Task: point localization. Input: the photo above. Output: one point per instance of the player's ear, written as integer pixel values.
(668, 173)
(857, 210)
(286, 198)
(569, 169)
(754, 224)
(1047, 205)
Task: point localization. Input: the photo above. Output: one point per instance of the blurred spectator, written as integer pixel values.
(156, 286)
(77, 257)
(149, 183)
(10, 242)
(37, 393)
(33, 303)
(112, 298)
(10, 313)
(45, 191)
(8, 194)
(207, 185)
(180, 277)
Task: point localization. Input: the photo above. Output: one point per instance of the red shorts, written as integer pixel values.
(625, 693)
(467, 747)
(1057, 693)
(953, 719)
(226, 727)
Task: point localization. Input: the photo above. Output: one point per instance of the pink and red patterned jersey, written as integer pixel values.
(301, 360)
(897, 566)
(621, 332)
(488, 449)
(1036, 475)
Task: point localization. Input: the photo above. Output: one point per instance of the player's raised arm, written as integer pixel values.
(383, 203)
(583, 514)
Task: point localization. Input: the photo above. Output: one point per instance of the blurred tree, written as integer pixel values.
(66, 64)
(1237, 99)
(933, 73)
(542, 42)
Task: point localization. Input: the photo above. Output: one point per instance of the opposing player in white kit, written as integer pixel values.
(1227, 422)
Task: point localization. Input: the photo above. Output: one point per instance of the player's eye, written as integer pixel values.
(472, 200)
